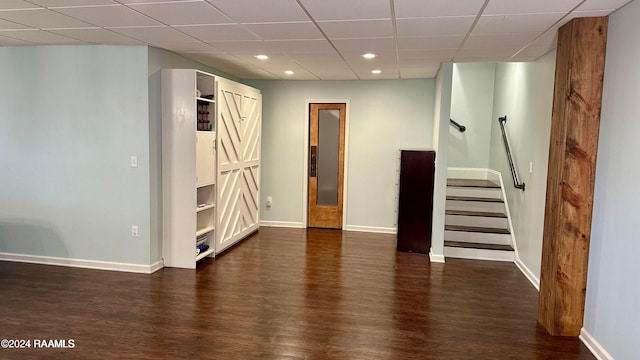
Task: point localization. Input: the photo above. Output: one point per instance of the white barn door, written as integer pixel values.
(238, 132)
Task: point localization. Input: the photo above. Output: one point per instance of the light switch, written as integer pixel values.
(134, 161)
(530, 167)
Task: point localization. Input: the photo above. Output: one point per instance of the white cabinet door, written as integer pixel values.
(238, 132)
(205, 158)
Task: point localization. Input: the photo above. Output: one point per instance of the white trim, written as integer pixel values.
(436, 258)
(594, 346)
(371, 229)
(80, 263)
(282, 224)
(478, 254)
(305, 153)
(528, 273)
(498, 176)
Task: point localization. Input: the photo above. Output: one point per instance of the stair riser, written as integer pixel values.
(477, 221)
(474, 192)
(475, 206)
(481, 254)
(475, 237)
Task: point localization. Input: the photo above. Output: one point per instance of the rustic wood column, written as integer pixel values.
(570, 182)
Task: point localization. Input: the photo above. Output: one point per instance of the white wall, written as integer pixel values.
(441, 115)
(471, 106)
(385, 116)
(70, 118)
(613, 288)
(524, 92)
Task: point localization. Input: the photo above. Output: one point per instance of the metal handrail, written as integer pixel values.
(514, 173)
(460, 128)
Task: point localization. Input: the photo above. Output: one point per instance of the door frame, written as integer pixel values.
(305, 167)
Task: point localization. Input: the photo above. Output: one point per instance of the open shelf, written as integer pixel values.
(205, 207)
(203, 231)
(211, 101)
(204, 254)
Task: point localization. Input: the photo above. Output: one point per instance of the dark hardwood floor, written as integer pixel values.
(283, 294)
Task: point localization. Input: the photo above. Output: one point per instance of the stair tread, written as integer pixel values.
(476, 213)
(472, 183)
(461, 244)
(469, 198)
(476, 229)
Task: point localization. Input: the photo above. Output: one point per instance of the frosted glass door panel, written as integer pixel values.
(328, 156)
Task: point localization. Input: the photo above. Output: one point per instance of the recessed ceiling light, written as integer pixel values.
(376, 72)
(262, 57)
(369, 56)
(289, 72)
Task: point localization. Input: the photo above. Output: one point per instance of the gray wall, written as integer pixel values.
(524, 92)
(70, 118)
(385, 116)
(613, 288)
(162, 59)
(471, 106)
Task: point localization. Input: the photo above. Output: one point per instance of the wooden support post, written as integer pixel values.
(570, 182)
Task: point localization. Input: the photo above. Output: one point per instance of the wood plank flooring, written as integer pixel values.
(284, 294)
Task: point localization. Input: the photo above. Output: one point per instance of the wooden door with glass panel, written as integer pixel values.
(326, 165)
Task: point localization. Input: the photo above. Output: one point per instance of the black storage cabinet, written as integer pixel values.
(415, 208)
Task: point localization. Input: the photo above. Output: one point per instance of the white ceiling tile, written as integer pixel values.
(357, 29)
(381, 58)
(437, 8)
(500, 24)
(603, 5)
(109, 16)
(523, 58)
(365, 45)
(499, 41)
(503, 7)
(351, 10)
(97, 36)
(183, 13)
(185, 46)
(42, 18)
(453, 25)
(430, 42)
(426, 70)
(384, 76)
(417, 63)
(579, 14)
(365, 71)
(246, 11)
(154, 34)
(427, 55)
(223, 32)
(15, 4)
(245, 47)
(483, 54)
(300, 46)
(316, 59)
(8, 25)
(58, 3)
(550, 39)
(224, 62)
(286, 31)
(39, 36)
(534, 50)
(5, 41)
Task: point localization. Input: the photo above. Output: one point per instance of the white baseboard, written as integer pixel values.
(436, 258)
(371, 229)
(528, 273)
(284, 224)
(594, 346)
(85, 264)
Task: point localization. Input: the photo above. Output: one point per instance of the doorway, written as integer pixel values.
(326, 158)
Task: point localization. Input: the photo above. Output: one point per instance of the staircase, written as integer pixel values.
(476, 222)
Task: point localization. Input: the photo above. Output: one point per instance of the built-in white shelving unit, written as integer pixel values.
(193, 225)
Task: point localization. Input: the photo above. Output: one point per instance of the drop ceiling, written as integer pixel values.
(316, 39)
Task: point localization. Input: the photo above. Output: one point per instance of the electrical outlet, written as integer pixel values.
(269, 201)
(134, 231)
